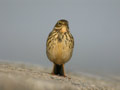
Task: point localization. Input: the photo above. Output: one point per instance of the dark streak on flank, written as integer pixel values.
(65, 42)
(66, 36)
(62, 36)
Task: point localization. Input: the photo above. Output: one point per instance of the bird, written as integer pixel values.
(59, 46)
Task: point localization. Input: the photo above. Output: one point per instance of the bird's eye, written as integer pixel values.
(59, 23)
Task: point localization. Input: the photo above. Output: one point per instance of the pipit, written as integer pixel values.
(59, 46)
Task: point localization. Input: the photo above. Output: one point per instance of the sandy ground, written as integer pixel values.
(28, 77)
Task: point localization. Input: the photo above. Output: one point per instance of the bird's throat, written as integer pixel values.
(64, 29)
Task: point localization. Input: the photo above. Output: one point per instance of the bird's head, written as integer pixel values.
(62, 26)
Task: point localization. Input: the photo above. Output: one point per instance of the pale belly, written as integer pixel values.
(60, 54)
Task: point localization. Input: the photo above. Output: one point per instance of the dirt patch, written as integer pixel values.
(25, 77)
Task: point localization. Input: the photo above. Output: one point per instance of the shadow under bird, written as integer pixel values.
(59, 46)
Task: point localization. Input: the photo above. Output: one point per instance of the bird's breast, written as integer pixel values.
(60, 50)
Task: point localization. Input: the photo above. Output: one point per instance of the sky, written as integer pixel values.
(94, 24)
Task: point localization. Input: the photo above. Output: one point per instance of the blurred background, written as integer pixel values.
(95, 25)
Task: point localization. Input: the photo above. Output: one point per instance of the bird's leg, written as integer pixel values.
(58, 70)
(63, 71)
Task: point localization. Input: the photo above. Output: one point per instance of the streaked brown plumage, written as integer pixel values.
(59, 46)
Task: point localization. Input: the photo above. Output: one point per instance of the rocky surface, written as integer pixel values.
(27, 77)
